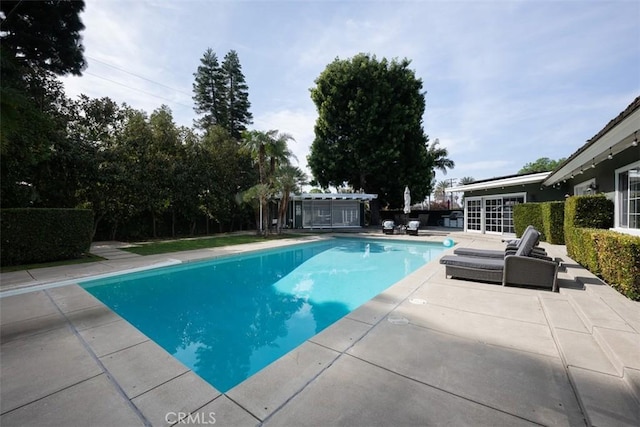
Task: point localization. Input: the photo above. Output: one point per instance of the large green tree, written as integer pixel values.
(543, 164)
(221, 94)
(43, 34)
(209, 92)
(38, 40)
(237, 92)
(369, 129)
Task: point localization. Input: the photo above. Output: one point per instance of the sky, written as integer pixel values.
(506, 82)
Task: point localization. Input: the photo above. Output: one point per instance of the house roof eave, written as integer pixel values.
(501, 182)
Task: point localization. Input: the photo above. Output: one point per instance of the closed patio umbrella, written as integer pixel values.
(407, 200)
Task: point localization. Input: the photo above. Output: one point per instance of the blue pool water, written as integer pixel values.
(228, 318)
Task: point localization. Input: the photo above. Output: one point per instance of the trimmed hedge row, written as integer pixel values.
(553, 222)
(547, 218)
(619, 261)
(613, 256)
(525, 214)
(43, 235)
(585, 212)
(583, 244)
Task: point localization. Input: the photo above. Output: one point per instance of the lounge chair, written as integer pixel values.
(520, 269)
(412, 227)
(510, 249)
(388, 226)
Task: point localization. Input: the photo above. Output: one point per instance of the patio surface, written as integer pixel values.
(427, 351)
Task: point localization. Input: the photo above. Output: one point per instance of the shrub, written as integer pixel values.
(43, 235)
(586, 212)
(622, 270)
(525, 214)
(553, 222)
(584, 250)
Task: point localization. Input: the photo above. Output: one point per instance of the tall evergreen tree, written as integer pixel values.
(39, 40)
(221, 94)
(43, 35)
(237, 93)
(210, 93)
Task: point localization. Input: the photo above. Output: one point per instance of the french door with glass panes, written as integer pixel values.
(492, 214)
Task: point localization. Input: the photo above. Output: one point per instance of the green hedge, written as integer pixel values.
(622, 270)
(586, 212)
(525, 214)
(553, 222)
(43, 235)
(584, 251)
(613, 256)
(547, 218)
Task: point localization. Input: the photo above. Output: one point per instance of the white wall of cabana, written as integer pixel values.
(327, 210)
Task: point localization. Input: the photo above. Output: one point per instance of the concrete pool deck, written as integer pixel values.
(427, 351)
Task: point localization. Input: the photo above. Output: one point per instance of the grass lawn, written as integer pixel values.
(155, 248)
(86, 258)
(161, 247)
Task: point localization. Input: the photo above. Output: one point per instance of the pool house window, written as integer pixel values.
(627, 201)
(324, 210)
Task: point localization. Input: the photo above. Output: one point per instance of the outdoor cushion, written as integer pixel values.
(528, 242)
(510, 249)
(414, 225)
(473, 262)
(490, 253)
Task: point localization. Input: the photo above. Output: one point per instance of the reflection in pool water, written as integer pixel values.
(228, 318)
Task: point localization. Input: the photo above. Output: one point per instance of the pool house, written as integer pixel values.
(327, 210)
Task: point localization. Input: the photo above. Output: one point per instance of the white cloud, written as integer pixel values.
(506, 82)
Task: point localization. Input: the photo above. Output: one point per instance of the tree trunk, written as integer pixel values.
(95, 226)
(153, 222)
(114, 229)
(375, 211)
(173, 223)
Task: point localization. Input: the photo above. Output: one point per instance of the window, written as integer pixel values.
(493, 215)
(627, 202)
(474, 214)
(329, 214)
(584, 188)
(507, 210)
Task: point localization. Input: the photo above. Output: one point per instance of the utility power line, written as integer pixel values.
(137, 90)
(137, 75)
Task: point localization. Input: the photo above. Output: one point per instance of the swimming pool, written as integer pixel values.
(230, 317)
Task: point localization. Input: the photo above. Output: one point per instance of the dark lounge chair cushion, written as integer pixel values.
(528, 243)
(495, 264)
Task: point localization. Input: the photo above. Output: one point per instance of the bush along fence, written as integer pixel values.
(613, 256)
(43, 235)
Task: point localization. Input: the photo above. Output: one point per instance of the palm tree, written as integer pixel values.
(466, 180)
(289, 179)
(269, 150)
(439, 156)
(277, 150)
(441, 186)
